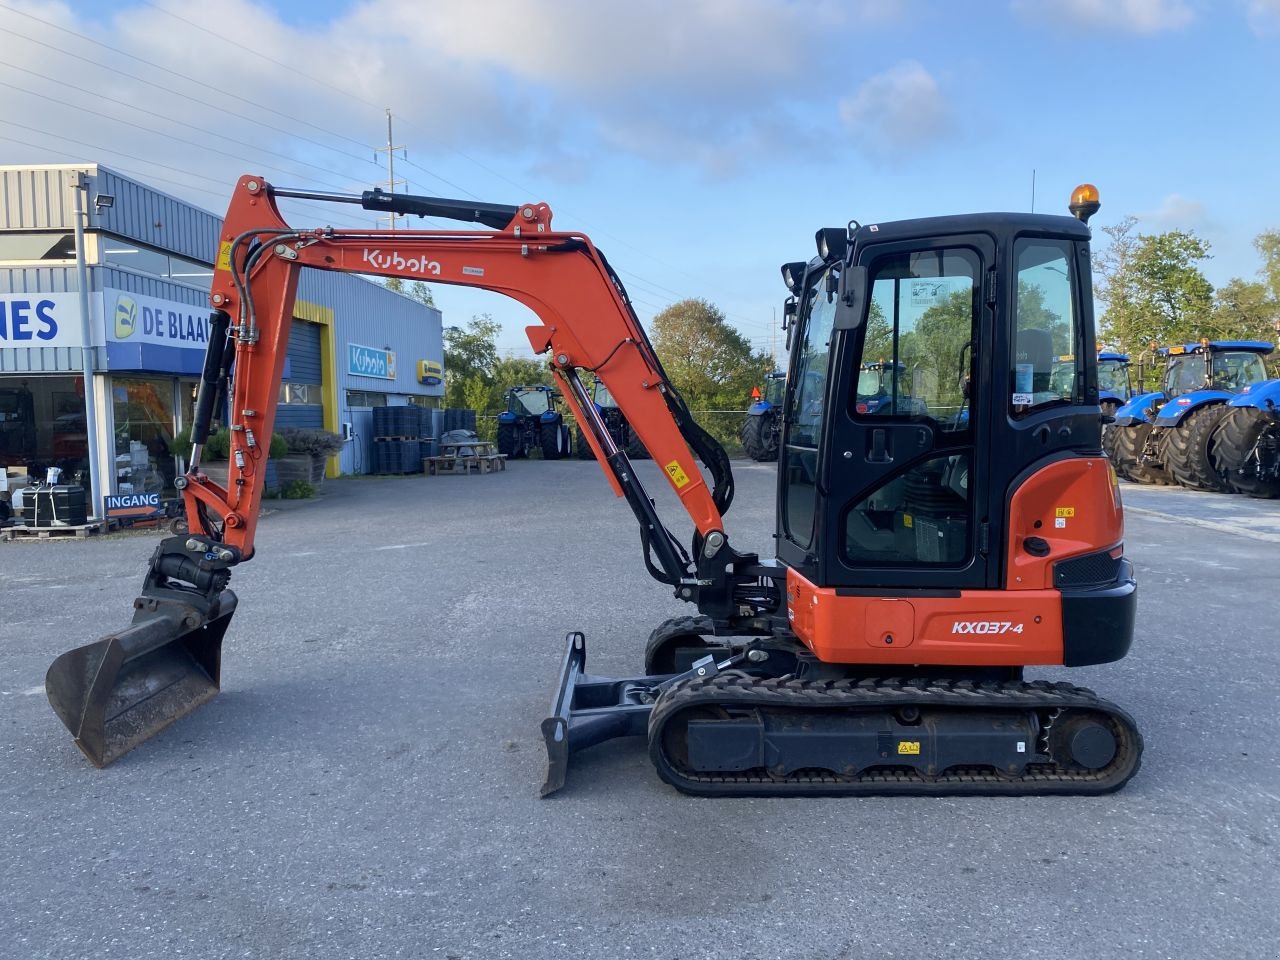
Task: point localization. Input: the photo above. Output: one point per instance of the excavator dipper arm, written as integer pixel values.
(119, 691)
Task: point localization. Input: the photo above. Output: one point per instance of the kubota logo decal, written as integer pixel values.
(393, 261)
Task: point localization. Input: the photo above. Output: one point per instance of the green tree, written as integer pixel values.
(1153, 287)
(1267, 244)
(1244, 310)
(708, 361)
(414, 290)
(469, 354)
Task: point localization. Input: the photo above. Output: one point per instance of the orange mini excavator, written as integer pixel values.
(941, 525)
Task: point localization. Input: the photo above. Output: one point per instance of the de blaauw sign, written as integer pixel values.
(40, 320)
(131, 318)
(371, 362)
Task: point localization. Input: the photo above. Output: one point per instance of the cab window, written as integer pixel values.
(1047, 367)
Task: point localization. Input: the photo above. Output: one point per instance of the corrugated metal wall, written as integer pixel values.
(42, 198)
(41, 359)
(37, 198)
(304, 367)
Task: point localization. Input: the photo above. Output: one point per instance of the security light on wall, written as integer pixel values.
(103, 200)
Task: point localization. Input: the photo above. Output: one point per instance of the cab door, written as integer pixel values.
(903, 483)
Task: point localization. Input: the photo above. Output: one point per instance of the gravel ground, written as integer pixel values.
(366, 784)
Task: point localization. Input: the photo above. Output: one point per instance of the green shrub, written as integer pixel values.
(297, 490)
(218, 446)
(317, 443)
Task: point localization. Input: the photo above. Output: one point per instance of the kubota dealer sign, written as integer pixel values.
(40, 320)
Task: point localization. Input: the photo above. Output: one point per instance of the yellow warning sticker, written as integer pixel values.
(224, 255)
(1065, 512)
(909, 747)
(906, 520)
(677, 474)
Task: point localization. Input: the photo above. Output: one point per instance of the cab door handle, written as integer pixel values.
(879, 446)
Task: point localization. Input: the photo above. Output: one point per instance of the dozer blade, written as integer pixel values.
(127, 687)
(587, 710)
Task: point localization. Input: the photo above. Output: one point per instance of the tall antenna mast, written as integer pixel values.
(391, 182)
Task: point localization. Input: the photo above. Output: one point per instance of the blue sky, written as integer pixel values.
(699, 143)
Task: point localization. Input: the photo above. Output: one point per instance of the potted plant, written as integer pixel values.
(309, 451)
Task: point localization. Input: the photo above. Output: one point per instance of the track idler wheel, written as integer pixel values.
(1082, 742)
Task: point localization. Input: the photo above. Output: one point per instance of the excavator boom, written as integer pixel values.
(115, 693)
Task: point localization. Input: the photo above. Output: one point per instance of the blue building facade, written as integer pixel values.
(148, 259)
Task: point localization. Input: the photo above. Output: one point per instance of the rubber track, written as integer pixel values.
(735, 691)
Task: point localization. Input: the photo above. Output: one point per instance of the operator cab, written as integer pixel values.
(979, 335)
(1229, 365)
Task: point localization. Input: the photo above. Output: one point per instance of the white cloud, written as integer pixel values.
(900, 108)
(1264, 17)
(1134, 16)
(1176, 212)
(530, 81)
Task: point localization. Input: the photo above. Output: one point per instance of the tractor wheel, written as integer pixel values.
(550, 440)
(1232, 452)
(676, 643)
(1128, 463)
(584, 449)
(507, 442)
(1109, 409)
(634, 448)
(758, 438)
(1186, 450)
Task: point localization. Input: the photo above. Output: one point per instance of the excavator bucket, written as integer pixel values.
(125, 688)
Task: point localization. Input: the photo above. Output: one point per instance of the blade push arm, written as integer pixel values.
(586, 323)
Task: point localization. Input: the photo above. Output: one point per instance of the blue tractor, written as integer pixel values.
(624, 438)
(532, 422)
(762, 428)
(1114, 389)
(1245, 448)
(1168, 436)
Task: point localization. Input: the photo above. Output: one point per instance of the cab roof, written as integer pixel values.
(1216, 346)
(973, 223)
(1108, 355)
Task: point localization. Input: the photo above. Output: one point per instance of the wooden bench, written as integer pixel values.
(486, 463)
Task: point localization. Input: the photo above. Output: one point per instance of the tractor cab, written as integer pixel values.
(531, 422)
(529, 401)
(1226, 365)
(1115, 386)
(884, 388)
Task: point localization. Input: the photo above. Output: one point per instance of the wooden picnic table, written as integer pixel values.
(462, 455)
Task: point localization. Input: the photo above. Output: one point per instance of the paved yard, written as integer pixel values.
(366, 785)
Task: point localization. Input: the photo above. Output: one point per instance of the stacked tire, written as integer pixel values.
(397, 443)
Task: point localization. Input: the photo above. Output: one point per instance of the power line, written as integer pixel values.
(367, 158)
(158, 116)
(99, 148)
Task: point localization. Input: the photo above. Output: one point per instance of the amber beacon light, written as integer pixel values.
(1084, 202)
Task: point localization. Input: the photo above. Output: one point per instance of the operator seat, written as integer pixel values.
(1036, 348)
